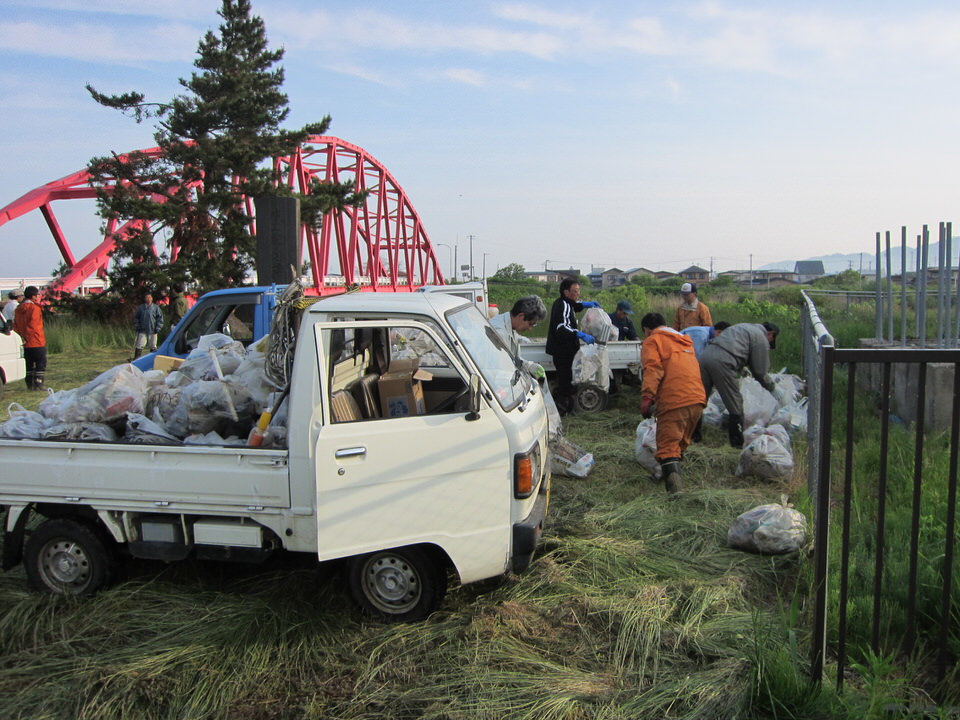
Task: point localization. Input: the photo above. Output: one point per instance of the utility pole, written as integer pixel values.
(472, 274)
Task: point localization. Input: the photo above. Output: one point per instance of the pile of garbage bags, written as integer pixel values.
(213, 398)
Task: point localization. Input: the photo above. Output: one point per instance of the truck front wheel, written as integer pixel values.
(66, 557)
(401, 585)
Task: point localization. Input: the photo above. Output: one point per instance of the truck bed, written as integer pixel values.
(201, 478)
(623, 355)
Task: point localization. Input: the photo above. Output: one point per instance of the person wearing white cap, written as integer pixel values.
(9, 310)
(691, 312)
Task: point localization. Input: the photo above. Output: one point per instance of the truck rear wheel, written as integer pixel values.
(67, 557)
(590, 398)
(400, 585)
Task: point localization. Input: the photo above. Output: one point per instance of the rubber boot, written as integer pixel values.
(38, 381)
(137, 352)
(29, 380)
(670, 470)
(735, 431)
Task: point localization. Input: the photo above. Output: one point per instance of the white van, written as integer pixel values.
(12, 365)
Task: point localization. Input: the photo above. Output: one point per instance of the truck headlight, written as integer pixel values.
(526, 473)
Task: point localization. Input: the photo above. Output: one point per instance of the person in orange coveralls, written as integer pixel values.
(691, 311)
(672, 390)
(28, 324)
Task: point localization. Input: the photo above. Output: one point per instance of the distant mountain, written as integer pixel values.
(866, 262)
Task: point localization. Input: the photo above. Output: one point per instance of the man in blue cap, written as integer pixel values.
(622, 322)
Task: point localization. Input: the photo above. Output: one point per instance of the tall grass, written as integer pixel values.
(67, 334)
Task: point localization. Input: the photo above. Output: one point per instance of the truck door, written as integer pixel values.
(435, 475)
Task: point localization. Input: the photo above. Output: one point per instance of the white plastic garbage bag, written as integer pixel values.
(758, 404)
(23, 423)
(597, 322)
(793, 416)
(646, 446)
(771, 529)
(765, 457)
(773, 429)
(591, 366)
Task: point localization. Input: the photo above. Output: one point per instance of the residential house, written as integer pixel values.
(807, 271)
(695, 274)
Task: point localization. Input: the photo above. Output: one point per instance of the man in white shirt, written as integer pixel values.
(9, 309)
(525, 314)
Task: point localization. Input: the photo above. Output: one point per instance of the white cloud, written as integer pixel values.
(466, 76)
(94, 42)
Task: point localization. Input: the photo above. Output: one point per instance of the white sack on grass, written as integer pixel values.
(591, 366)
(646, 446)
(765, 457)
(793, 386)
(769, 530)
(773, 429)
(597, 322)
(793, 416)
(714, 411)
(569, 459)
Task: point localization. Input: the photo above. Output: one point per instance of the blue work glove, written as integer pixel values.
(590, 303)
(586, 337)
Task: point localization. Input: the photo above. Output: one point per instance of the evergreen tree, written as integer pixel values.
(215, 142)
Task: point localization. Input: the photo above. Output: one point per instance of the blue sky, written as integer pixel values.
(655, 134)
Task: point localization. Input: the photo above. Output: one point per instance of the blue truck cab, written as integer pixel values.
(245, 314)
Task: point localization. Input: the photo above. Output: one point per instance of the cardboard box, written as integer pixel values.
(400, 390)
(167, 363)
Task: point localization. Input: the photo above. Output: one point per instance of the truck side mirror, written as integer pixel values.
(474, 413)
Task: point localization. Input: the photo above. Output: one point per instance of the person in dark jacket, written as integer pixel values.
(622, 322)
(147, 321)
(744, 345)
(563, 339)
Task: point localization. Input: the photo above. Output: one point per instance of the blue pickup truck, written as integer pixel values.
(246, 313)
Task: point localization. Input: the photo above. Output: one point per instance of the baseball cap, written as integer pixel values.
(688, 288)
(625, 306)
(15, 294)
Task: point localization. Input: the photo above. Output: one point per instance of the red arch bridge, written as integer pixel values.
(380, 245)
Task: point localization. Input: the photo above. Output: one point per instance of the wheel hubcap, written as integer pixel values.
(65, 563)
(391, 583)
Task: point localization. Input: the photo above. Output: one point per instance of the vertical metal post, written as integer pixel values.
(821, 521)
(922, 280)
(941, 246)
(903, 286)
(951, 528)
(947, 285)
(847, 504)
(911, 634)
(878, 294)
(881, 504)
(889, 293)
(916, 287)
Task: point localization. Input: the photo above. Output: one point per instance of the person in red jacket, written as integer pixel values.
(672, 390)
(28, 324)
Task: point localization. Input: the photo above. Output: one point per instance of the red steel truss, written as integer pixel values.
(380, 245)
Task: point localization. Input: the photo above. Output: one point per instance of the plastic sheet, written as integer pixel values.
(771, 529)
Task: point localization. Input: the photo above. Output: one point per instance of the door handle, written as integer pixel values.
(350, 452)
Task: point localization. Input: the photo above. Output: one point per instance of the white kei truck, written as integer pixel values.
(454, 482)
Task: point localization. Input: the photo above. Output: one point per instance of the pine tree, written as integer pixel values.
(215, 141)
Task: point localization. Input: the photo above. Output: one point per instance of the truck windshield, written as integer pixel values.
(496, 363)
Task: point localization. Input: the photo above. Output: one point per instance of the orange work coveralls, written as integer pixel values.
(671, 376)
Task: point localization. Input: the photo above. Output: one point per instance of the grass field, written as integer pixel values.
(634, 608)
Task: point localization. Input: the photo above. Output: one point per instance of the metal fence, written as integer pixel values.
(844, 492)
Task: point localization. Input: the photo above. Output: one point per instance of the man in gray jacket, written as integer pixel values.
(745, 345)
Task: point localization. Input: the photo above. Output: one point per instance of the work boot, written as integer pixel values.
(137, 352)
(38, 381)
(29, 380)
(735, 431)
(670, 470)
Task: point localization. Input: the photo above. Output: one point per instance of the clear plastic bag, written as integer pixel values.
(758, 404)
(765, 457)
(597, 322)
(23, 423)
(646, 446)
(591, 366)
(771, 529)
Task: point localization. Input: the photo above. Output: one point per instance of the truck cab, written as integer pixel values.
(243, 313)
